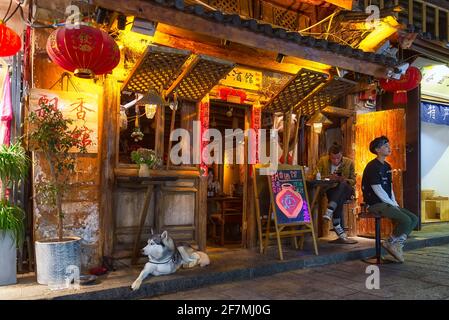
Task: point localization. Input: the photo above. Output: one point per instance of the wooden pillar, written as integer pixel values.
(202, 213)
(108, 124)
(160, 123)
(412, 176)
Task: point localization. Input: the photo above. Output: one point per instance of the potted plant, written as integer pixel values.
(50, 135)
(13, 168)
(146, 159)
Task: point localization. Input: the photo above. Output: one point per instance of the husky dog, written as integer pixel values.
(166, 258)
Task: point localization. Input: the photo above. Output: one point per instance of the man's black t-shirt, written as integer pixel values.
(376, 172)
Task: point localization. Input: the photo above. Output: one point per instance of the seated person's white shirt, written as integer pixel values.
(383, 196)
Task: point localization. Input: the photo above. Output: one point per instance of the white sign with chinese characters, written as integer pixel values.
(435, 80)
(243, 78)
(81, 107)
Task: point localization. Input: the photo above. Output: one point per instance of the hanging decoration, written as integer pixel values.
(10, 42)
(232, 95)
(123, 119)
(137, 134)
(150, 110)
(409, 81)
(86, 51)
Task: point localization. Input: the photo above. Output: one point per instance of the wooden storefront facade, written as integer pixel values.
(105, 207)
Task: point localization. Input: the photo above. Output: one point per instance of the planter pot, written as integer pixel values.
(54, 256)
(8, 257)
(144, 170)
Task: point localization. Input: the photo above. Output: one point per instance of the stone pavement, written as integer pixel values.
(424, 275)
(226, 266)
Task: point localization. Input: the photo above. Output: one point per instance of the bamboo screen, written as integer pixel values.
(392, 124)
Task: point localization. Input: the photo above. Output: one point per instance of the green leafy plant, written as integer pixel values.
(50, 134)
(14, 164)
(146, 156)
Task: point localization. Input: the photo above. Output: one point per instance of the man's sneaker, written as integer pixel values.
(394, 249)
(340, 232)
(328, 215)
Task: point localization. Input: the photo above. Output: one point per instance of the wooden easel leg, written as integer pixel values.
(143, 217)
(267, 234)
(301, 244)
(314, 240)
(278, 237)
(259, 229)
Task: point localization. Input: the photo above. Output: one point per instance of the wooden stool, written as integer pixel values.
(366, 214)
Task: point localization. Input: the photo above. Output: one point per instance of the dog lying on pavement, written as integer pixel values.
(166, 258)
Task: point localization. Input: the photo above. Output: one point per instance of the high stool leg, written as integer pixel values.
(378, 245)
(378, 259)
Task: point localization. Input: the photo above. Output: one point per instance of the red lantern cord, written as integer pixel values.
(408, 82)
(10, 42)
(85, 51)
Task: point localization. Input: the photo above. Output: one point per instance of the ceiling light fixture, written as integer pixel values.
(143, 26)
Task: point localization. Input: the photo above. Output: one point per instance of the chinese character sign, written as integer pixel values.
(204, 118)
(435, 113)
(243, 78)
(289, 193)
(77, 106)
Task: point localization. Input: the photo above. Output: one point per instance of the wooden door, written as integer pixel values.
(392, 124)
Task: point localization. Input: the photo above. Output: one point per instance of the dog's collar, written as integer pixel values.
(172, 258)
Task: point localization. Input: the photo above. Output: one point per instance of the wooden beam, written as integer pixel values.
(339, 111)
(437, 23)
(424, 17)
(181, 19)
(248, 57)
(410, 11)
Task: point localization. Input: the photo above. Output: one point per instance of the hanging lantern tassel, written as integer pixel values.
(400, 88)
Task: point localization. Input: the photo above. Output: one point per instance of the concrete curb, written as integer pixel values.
(246, 273)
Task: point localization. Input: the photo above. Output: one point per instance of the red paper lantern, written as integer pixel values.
(409, 81)
(85, 51)
(10, 42)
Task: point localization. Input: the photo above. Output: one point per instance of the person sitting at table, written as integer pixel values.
(335, 167)
(377, 188)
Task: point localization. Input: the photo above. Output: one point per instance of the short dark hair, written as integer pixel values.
(377, 143)
(335, 148)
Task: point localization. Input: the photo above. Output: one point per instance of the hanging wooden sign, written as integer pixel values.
(243, 78)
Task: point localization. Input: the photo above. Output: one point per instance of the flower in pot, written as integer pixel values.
(147, 160)
(13, 168)
(50, 135)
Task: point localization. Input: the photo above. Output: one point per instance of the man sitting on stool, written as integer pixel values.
(377, 187)
(341, 170)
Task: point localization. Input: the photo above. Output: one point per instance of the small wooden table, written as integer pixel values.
(221, 200)
(149, 183)
(317, 186)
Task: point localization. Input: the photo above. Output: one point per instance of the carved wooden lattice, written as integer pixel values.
(226, 5)
(296, 90)
(335, 88)
(157, 69)
(285, 18)
(200, 80)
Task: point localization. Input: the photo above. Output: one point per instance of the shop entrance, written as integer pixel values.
(227, 180)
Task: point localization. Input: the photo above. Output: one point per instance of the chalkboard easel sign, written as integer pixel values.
(288, 205)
